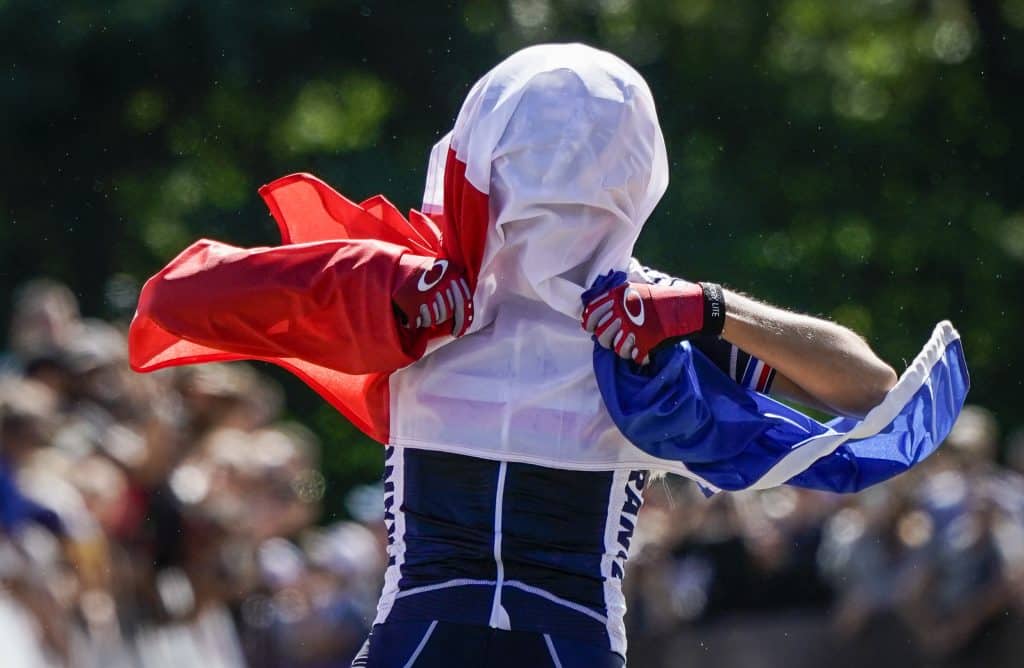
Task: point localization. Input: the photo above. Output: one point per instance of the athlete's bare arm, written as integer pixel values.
(819, 363)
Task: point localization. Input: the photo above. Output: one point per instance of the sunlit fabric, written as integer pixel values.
(564, 142)
(684, 410)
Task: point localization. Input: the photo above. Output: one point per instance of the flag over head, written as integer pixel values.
(563, 141)
(561, 147)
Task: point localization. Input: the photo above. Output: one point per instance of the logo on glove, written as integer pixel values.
(636, 318)
(424, 285)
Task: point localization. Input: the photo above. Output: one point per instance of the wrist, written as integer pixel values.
(680, 309)
(408, 269)
(714, 309)
(408, 294)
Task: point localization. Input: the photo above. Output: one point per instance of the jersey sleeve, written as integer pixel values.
(745, 369)
(742, 367)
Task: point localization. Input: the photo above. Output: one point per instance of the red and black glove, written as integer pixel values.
(430, 291)
(634, 318)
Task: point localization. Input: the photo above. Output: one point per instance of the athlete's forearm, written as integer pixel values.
(822, 361)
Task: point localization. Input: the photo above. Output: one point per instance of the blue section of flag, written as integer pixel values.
(682, 408)
(916, 431)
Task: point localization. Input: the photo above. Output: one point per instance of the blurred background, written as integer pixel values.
(857, 160)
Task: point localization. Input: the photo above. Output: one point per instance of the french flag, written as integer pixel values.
(554, 165)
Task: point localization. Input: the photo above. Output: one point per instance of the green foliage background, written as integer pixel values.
(853, 159)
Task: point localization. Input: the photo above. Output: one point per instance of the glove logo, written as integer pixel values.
(424, 284)
(639, 317)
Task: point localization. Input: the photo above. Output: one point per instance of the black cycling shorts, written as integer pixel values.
(446, 645)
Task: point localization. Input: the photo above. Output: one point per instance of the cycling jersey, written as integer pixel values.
(507, 545)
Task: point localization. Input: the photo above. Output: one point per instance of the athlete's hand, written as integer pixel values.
(431, 291)
(634, 318)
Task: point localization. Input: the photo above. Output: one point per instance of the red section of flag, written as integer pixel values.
(319, 302)
(307, 209)
(319, 305)
(465, 220)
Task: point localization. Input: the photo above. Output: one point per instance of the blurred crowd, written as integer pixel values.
(165, 519)
(172, 519)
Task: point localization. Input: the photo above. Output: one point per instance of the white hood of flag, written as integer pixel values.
(565, 142)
